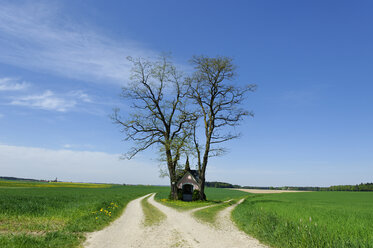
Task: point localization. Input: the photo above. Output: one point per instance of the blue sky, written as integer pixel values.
(62, 64)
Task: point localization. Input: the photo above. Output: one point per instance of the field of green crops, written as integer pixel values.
(42, 214)
(58, 214)
(314, 219)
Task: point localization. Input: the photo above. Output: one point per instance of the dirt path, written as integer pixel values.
(179, 229)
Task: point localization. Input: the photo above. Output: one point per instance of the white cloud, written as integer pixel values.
(78, 166)
(35, 36)
(81, 95)
(78, 146)
(47, 100)
(12, 84)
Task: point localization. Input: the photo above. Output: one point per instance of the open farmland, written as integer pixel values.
(58, 214)
(315, 219)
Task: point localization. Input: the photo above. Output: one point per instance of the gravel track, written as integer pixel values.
(179, 229)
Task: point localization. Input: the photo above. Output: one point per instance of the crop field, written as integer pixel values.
(42, 214)
(57, 214)
(315, 219)
(36, 214)
(28, 184)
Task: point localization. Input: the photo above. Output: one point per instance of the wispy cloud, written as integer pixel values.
(78, 146)
(26, 96)
(48, 100)
(81, 95)
(35, 36)
(12, 84)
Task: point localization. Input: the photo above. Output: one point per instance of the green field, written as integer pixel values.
(314, 219)
(213, 195)
(42, 214)
(58, 214)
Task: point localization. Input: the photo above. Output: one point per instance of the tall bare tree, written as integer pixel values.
(219, 103)
(157, 93)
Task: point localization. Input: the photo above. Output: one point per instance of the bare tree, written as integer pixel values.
(160, 117)
(219, 104)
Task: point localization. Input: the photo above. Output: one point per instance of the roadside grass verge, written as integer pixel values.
(213, 195)
(314, 219)
(209, 214)
(37, 216)
(152, 215)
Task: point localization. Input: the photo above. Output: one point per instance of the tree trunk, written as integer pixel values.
(202, 172)
(174, 195)
(172, 174)
(202, 195)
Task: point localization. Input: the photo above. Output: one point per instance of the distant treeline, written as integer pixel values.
(221, 185)
(357, 187)
(26, 179)
(19, 179)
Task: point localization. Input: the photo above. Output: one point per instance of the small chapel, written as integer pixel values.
(188, 182)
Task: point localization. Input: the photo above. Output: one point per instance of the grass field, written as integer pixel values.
(315, 219)
(213, 195)
(42, 214)
(57, 214)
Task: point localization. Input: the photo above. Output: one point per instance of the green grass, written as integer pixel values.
(153, 216)
(213, 195)
(315, 219)
(34, 214)
(39, 216)
(209, 214)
